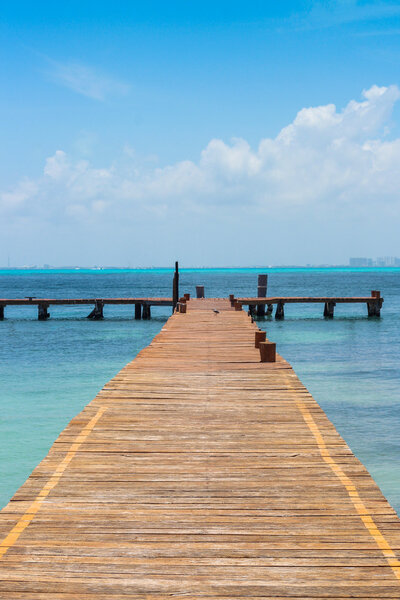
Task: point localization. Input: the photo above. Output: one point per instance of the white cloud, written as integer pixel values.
(85, 80)
(324, 158)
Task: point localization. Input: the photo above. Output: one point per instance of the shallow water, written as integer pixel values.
(50, 370)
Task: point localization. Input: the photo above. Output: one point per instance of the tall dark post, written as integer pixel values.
(175, 287)
(261, 293)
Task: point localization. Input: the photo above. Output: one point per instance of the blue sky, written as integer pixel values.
(137, 132)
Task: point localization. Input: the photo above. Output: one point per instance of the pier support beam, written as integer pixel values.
(146, 312)
(97, 312)
(43, 313)
(329, 308)
(138, 311)
(261, 293)
(251, 310)
(280, 311)
(374, 308)
(270, 309)
(2, 307)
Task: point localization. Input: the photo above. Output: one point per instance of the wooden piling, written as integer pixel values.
(262, 293)
(259, 337)
(199, 291)
(2, 307)
(138, 311)
(267, 351)
(329, 308)
(43, 313)
(280, 311)
(175, 287)
(146, 312)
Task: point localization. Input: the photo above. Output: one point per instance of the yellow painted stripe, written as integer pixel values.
(26, 518)
(360, 507)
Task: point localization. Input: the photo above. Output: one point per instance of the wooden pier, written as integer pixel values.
(373, 303)
(199, 472)
(142, 305)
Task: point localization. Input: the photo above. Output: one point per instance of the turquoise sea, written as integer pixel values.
(50, 370)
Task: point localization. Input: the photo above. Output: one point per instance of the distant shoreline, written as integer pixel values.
(288, 268)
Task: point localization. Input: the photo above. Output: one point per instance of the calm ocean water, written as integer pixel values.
(50, 370)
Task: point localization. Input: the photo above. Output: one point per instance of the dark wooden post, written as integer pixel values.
(199, 291)
(232, 299)
(251, 310)
(262, 293)
(2, 307)
(175, 288)
(270, 310)
(186, 296)
(267, 351)
(259, 337)
(329, 308)
(280, 311)
(374, 307)
(43, 313)
(238, 305)
(138, 311)
(97, 312)
(146, 312)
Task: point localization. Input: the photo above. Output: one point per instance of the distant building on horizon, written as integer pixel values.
(382, 261)
(361, 262)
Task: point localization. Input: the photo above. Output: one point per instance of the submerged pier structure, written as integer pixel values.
(203, 470)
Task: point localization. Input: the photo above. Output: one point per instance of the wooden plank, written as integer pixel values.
(310, 299)
(200, 472)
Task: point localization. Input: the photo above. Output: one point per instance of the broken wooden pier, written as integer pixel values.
(142, 305)
(373, 303)
(200, 472)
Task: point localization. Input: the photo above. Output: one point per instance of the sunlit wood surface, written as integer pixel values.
(199, 472)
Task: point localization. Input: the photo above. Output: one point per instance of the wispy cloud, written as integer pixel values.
(85, 80)
(342, 12)
(378, 32)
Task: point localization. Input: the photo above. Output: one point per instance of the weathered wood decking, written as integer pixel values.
(199, 472)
